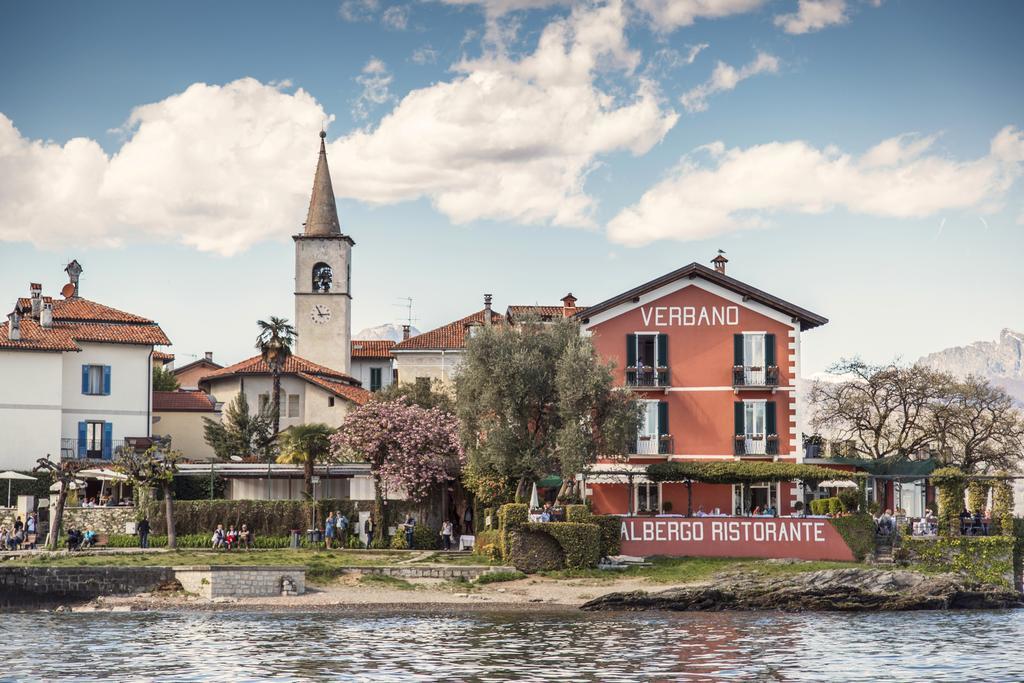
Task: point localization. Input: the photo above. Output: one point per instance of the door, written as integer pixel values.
(647, 436)
(753, 359)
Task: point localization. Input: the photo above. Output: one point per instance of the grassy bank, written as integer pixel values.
(697, 569)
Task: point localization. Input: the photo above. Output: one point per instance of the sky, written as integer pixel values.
(860, 159)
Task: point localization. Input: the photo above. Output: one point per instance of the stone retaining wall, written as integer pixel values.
(112, 520)
(28, 585)
(241, 582)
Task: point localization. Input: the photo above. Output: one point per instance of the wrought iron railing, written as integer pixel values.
(89, 449)
(653, 445)
(755, 376)
(756, 444)
(646, 376)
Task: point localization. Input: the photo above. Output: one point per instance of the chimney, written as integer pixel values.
(720, 262)
(405, 332)
(568, 305)
(13, 326)
(208, 356)
(46, 316)
(74, 271)
(36, 292)
(487, 309)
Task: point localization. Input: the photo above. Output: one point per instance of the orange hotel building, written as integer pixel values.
(715, 362)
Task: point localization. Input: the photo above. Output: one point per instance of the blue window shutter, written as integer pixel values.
(81, 437)
(108, 440)
(106, 380)
(85, 379)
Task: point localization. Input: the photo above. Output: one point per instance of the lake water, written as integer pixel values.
(503, 646)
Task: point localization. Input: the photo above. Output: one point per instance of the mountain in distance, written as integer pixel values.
(392, 331)
(1000, 361)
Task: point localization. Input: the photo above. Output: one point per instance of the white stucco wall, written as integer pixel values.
(127, 407)
(327, 341)
(30, 407)
(442, 365)
(361, 371)
(314, 402)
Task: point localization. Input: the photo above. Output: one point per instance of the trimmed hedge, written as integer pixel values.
(581, 543)
(488, 544)
(826, 506)
(1002, 506)
(611, 534)
(859, 533)
(950, 483)
(578, 513)
(533, 551)
(745, 472)
(192, 541)
(423, 536)
(264, 517)
(984, 560)
(977, 496)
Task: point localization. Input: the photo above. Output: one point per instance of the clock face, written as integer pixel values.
(320, 314)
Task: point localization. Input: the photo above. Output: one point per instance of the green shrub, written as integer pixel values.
(513, 516)
(1002, 506)
(611, 534)
(354, 543)
(859, 533)
(850, 499)
(488, 544)
(950, 484)
(532, 551)
(577, 513)
(497, 577)
(194, 541)
(826, 506)
(398, 541)
(977, 496)
(835, 506)
(979, 559)
(424, 538)
(581, 543)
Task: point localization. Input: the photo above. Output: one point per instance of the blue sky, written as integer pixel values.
(477, 147)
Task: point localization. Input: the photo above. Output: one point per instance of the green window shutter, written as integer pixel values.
(737, 349)
(630, 350)
(769, 350)
(738, 416)
(663, 350)
(662, 418)
(769, 417)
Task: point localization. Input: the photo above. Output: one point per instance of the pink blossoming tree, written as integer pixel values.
(408, 447)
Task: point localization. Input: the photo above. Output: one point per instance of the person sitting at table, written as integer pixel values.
(700, 512)
(757, 511)
(545, 513)
(965, 521)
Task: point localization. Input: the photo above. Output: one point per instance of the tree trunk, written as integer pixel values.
(521, 491)
(380, 522)
(172, 537)
(58, 517)
(308, 476)
(276, 405)
(689, 499)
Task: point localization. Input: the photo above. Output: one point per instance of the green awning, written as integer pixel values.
(550, 482)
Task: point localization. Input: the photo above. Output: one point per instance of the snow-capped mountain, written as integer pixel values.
(392, 331)
(1000, 361)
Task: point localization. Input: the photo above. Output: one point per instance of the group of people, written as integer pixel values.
(336, 528)
(977, 524)
(77, 539)
(887, 523)
(547, 513)
(22, 535)
(232, 538)
(104, 502)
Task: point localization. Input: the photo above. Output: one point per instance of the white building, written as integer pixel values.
(76, 377)
(372, 363)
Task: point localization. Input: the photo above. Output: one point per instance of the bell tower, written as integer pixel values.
(323, 278)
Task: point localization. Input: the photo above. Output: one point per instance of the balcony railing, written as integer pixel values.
(89, 449)
(755, 376)
(653, 445)
(646, 376)
(756, 444)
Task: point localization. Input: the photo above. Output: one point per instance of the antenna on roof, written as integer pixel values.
(407, 305)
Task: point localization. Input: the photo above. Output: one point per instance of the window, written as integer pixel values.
(753, 350)
(756, 428)
(96, 380)
(653, 436)
(375, 379)
(754, 418)
(648, 497)
(754, 360)
(647, 360)
(293, 405)
(322, 277)
(95, 439)
(330, 401)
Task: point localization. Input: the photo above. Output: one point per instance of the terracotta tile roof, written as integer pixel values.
(357, 395)
(183, 401)
(293, 366)
(212, 365)
(35, 338)
(372, 348)
(447, 337)
(109, 333)
(545, 312)
(161, 357)
(84, 310)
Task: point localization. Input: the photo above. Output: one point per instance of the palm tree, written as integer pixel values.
(306, 445)
(275, 345)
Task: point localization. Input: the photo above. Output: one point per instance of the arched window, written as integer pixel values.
(322, 276)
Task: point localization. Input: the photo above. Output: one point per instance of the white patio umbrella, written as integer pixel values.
(534, 498)
(10, 476)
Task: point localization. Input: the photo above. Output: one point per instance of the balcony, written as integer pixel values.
(653, 445)
(93, 449)
(757, 445)
(755, 377)
(647, 377)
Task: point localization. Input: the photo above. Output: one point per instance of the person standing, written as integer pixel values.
(342, 529)
(410, 536)
(18, 525)
(143, 529)
(330, 529)
(446, 534)
(30, 531)
(368, 528)
(467, 520)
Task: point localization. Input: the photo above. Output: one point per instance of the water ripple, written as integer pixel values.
(502, 646)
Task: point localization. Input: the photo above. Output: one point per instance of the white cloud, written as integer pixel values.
(742, 188)
(511, 139)
(358, 10)
(218, 168)
(396, 17)
(424, 55)
(498, 8)
(376, 82)
(695, 50)
(668, 15)
(813, 15)
(725, 77)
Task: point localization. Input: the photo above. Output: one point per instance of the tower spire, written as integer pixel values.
(323, 212)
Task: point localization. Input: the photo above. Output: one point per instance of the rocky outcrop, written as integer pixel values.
(1001, 361)
(829, 590)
